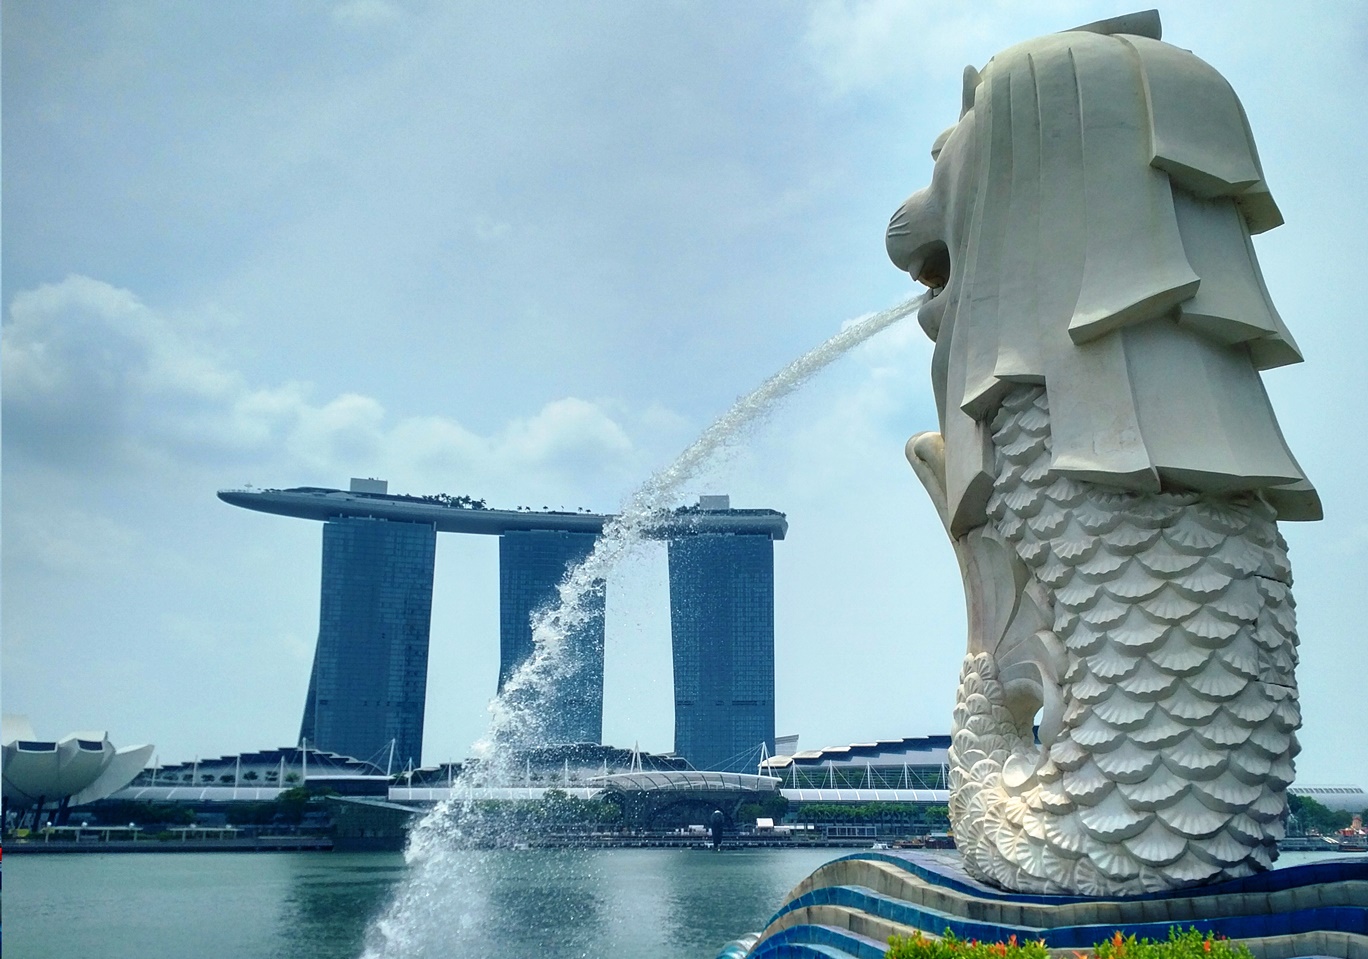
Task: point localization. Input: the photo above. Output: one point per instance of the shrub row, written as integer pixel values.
(1180, 945)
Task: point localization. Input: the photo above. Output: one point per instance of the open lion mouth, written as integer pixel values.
(934, 270)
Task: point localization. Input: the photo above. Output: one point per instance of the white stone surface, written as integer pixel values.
(1109, 468)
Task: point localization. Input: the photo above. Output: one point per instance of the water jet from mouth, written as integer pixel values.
(434, 904)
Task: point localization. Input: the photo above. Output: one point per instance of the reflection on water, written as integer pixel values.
(330, 897)
(755, 879)
(154, 905)
(523, 901)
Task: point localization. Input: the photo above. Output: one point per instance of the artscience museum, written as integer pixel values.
(77, 769)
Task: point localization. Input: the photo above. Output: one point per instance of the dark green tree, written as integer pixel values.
(291, 803)
(1313, 816)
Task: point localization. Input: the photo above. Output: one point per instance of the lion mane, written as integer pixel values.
(1088, 227)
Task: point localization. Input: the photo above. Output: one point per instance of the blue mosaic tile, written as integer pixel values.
(819, 941)
(950, 875)
(814, 940)
(1352, 919)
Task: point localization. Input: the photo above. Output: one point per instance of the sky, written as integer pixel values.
(527, 252)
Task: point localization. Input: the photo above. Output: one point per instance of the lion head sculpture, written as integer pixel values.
(1088, 228)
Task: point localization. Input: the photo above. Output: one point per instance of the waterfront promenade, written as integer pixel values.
(39, 847)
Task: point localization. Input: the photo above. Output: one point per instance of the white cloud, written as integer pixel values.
(366, 14)
(93, 376)
(87, 367)
(347, 429)
(488, 228)
(563, 429)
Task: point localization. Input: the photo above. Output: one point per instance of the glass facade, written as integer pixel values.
(368, 687)
(532, 564)
(722, 622)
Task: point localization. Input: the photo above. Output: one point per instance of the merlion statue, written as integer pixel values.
(1109, 468)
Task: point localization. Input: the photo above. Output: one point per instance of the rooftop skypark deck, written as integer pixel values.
(316, 503)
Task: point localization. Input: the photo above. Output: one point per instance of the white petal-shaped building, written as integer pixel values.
(77, 769)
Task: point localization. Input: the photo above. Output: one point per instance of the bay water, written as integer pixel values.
(628, 903)
(549, 904)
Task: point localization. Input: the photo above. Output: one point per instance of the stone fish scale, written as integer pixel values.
(1179, 710)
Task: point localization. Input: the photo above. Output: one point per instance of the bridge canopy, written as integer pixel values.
(680, 780)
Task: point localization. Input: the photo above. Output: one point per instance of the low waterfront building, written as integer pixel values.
(1340, 798)
(912, 769)
(256, 777)
(887, 789)
(684, 797)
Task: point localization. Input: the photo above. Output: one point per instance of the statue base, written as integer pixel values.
(851, 906)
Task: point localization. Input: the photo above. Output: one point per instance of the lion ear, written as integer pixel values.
(1144, 23)
(972, 78)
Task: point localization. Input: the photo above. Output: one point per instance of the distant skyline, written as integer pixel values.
(526, 254)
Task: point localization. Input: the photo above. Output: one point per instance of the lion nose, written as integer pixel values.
(914, 234)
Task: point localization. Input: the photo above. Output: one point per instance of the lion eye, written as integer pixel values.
(940, 143)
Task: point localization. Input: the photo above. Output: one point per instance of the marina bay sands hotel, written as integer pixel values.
(368, 686)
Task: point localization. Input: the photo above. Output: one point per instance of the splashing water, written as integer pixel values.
(434, 908)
